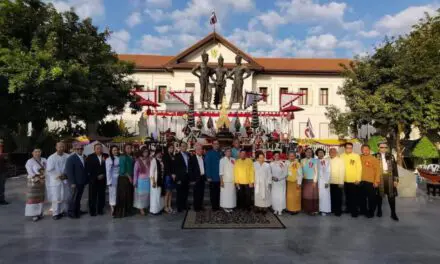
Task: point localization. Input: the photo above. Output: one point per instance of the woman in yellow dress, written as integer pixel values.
(293, 193)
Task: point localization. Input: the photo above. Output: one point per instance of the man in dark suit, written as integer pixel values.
(181, 163)
(77, 178)
(197, 177)
(95, 166)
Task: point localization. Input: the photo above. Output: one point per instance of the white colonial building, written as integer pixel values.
(317, 79)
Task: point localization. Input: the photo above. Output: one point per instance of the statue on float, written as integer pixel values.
(239, 73)
(203, 72)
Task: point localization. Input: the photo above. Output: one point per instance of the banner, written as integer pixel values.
(287, 100)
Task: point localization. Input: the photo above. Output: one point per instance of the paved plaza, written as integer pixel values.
(160, 239)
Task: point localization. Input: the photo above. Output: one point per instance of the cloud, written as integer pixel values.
(271, 20)
(402, 22)
(308, 12)
(157, 15)
(321, 42)
(315, 30)
(163, 29)
(84, 9)
(369, 34)
(134, 19)
(159, 3)
(245, 39)
(152, 44)
(119, 41)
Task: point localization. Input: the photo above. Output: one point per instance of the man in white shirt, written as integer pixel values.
(197, 177)
(57, 186)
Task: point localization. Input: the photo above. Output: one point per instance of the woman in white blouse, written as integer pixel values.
(228, 198)
(112, 170)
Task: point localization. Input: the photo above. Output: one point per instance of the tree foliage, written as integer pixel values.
(398, 87)
(425, 150)
(55, 66)
(374, 141)
(339, 121)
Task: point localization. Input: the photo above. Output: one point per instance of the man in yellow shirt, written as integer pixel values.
(353, 175)
(337, 177)
(244, 180)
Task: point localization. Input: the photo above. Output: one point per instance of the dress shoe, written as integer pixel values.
(36, 218)
(93, 214)
(57, 217)
(83, 212)
(73, 216)
(101, 213)
(379, 214)
(3, 202)
(394, 217)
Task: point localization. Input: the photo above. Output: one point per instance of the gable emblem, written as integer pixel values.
(214, 53)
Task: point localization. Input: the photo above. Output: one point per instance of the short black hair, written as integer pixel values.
(348, 144)
(318, 150)
(382, 142)
(276, 152)
(365, 146)
(242, 150)
(259, 153)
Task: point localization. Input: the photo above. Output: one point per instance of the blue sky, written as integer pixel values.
(264, 28)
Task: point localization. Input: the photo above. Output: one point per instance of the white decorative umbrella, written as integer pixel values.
(90, 148)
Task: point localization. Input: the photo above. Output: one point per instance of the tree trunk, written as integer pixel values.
(92, 129)
(399, 148)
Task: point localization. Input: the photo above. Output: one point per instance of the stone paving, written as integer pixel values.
(160, 239)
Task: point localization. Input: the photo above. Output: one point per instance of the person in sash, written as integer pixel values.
(279, 175)
(212, 163)
(294, 179)
(353, 176)
(309, 171)
(244, 180)
(57, 186)
(95, 166)
(337, 176)
(36, 169)
(263, 181)
(389, 180)
(124, 191)
(170, 178)
(157, 170)
(324, 182)
(228, 197)
(141, 181)
(77, 177)
(112, 172)
(369, 182)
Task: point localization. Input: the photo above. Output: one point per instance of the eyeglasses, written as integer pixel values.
(79, 148)
(383, 147)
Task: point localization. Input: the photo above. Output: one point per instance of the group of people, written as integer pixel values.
(146, 181)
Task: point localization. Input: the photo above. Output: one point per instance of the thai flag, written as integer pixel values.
(213, 19)
(309, 130)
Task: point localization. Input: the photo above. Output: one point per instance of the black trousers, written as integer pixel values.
(352, 196)
(182, 196)
(391, 202)
(214, 192)
(198, 194)
(244, 197)
(75, 201)
(97, 196)
(368, 198)
(2, 185)
(336, 198)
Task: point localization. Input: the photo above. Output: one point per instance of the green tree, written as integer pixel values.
(55, 66)
(339, 121)
(374, 141)
(425, 150)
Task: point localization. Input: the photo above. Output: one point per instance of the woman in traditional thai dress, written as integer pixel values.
(141, 181)
(279, 175)
(263, 180)
(309, 171)
(228, 196)
(294, 180)
(112, 172)
(35, 168)
(124, 191)
(325, 206)
(157, 170)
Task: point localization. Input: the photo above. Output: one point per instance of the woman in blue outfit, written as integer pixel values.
(169, 184)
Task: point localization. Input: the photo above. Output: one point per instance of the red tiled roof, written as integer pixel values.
(294, 65)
